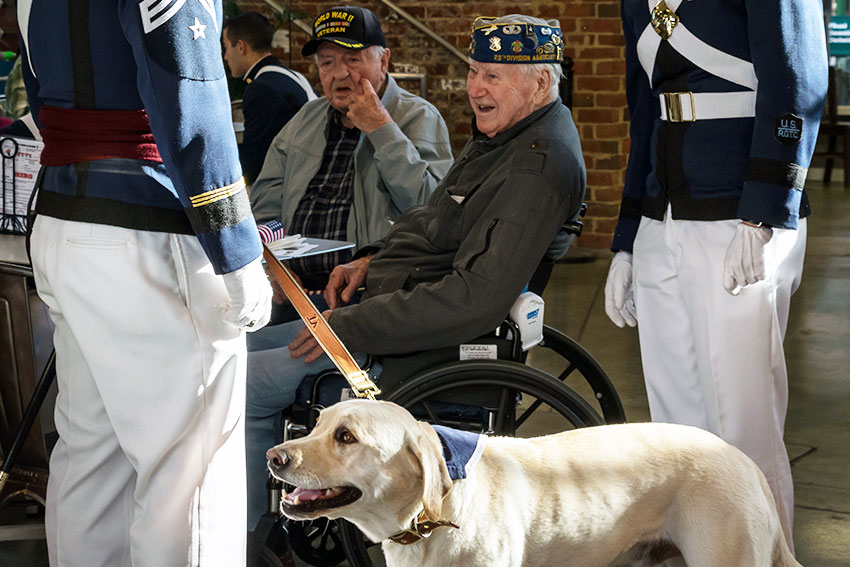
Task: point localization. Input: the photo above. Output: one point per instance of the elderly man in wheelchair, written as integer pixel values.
(448, 271)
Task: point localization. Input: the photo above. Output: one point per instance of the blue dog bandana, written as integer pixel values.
(515, 42)
(461, 450)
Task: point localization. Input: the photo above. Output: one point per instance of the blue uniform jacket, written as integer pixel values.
(164, 57)
(733, 167)
(268, 103)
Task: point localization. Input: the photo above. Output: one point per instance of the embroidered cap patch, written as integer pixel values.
(789, 129)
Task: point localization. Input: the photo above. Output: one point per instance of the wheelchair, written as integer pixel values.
(516, 392)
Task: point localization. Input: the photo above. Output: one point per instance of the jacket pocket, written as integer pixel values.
(488, 240)
(445, 227)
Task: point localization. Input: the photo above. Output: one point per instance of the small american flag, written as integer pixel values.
(271, 231)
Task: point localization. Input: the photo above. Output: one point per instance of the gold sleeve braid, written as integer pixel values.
(217, 194)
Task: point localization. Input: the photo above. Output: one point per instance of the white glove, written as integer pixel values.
(744, 262)
(619, 293)
(250, 294)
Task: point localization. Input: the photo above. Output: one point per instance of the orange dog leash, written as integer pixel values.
(359, 380)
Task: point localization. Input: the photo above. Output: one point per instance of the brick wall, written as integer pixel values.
(9, 26)
(593, 38)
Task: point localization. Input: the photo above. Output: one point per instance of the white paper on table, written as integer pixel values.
(291, 246)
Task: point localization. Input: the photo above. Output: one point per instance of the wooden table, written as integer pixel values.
(13, 249)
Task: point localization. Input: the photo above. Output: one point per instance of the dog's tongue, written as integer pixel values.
(306, 494)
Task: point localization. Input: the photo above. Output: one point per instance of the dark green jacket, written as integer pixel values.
(450, 270)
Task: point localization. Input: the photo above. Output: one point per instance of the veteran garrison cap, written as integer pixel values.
(347, 26)
(515, 42)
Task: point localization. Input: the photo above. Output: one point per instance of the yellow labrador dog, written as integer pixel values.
(597, 497)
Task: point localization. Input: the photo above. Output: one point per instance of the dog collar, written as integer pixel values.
(420, 528)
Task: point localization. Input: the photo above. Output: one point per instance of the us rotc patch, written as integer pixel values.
(789, 129)
(183, 37)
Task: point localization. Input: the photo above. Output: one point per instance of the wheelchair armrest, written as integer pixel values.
(526, 314)
(575, 226)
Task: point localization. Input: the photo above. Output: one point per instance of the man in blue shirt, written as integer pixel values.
(273, 93)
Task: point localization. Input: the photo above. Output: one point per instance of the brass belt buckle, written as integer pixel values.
(673, 102)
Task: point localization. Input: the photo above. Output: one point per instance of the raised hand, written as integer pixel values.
(366, 111)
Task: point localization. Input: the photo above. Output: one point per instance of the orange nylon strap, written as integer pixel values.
(359, 381)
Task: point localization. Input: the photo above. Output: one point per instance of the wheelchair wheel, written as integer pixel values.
(317, 542)
(269, 558)
(359, 551)
(529, 403)
(569, 362)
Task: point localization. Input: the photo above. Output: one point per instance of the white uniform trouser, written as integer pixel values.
(149, 469)
(711, 359)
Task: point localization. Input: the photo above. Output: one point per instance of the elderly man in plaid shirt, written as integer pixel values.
(348, 164)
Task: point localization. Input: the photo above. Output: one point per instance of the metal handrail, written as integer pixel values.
(421, 77)
(274, 5)
(426, 30)
(298, 23)
(566, 88)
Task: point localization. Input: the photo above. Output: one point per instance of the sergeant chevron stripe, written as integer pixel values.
(157, 12)
(217, 194)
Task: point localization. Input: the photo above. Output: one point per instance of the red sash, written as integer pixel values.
(72, 135)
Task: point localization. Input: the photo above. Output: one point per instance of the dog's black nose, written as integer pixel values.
(277, 458)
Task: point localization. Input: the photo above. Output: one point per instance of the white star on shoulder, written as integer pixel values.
(198, 29)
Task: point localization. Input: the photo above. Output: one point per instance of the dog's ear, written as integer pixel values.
(436, 482)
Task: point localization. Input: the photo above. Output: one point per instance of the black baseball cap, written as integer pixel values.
(347, 26)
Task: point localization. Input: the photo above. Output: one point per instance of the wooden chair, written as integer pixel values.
(20, 368)
(833, 128)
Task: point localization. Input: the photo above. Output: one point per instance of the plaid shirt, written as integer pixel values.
(324, 209)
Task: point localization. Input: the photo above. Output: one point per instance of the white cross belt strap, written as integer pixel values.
(297, 77)
(688, 107)
(706, 57)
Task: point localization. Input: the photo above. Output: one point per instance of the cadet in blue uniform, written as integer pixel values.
(147, 255)
(725, 100)
(273, 93)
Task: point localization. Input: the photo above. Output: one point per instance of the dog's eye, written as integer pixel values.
(343, 435)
